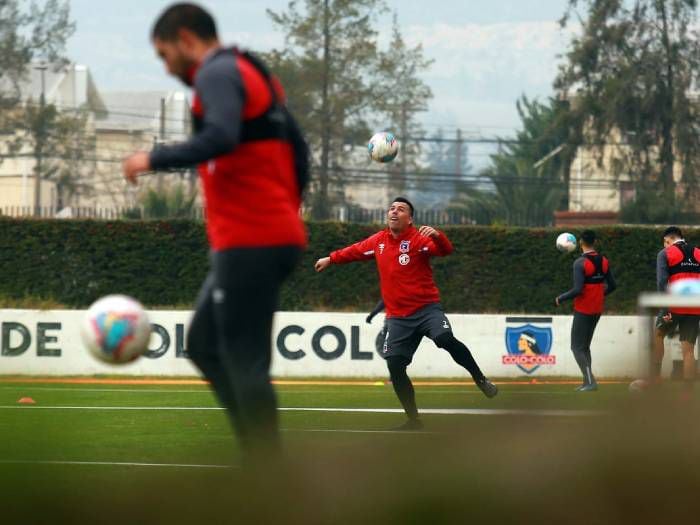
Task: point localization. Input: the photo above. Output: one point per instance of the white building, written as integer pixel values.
(118, 123)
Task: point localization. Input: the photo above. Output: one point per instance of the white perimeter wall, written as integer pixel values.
(48, 343)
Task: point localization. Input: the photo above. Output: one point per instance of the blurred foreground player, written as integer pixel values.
(593, 280)
(678, 260)
(413, 311)
(252, 163)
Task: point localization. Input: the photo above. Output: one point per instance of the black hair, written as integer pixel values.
(588, 237)
(184, 16)
(406, 201)
(673, 231)
(532, 342)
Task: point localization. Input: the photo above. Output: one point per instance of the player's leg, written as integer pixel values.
(203, 349)
(657, 357)
(245, 298)
(688, 328)
(580, 330)
(436, 326)
(400, 343)
(403, 388)
(592, 323)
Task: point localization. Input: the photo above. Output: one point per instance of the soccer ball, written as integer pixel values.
(566, 242)
(638, 385)
(383, 147)
(116, 329)
(685, 287)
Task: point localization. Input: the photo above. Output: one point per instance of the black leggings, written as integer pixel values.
(229, 337)
(402, 384)
(582, 330)
(403, 387)
(460, 353)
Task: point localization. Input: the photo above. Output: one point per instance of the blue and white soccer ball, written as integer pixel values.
(383, 147)
(685, 287)
(566, 242)
(116, 329)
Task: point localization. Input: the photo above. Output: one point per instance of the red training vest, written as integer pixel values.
(592, 298)
(683, 263)
(251, 194)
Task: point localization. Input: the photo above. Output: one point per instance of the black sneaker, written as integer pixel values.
(411, 424)
(487, 387)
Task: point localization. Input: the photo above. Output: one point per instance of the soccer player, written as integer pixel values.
(593, 280)
(246, 146)
(677, 260)
(402, 253)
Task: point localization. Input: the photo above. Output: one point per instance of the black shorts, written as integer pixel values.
(687, 326)
(404, 334)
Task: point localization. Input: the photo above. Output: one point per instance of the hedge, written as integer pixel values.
(163, 263)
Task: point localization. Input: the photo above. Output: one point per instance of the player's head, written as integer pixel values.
(672, 235)
(528, 344)
(400, 214)
(588, 239)
(181, 35)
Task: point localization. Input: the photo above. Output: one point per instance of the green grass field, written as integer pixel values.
(91, 453)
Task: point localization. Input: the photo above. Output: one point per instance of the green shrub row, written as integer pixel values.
(163, 263)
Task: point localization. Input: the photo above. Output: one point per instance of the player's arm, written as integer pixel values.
(220, 90)
(610, 283)
(579, 279)
(437, 243)
(662, 271)
(378, 308)
(360, 251)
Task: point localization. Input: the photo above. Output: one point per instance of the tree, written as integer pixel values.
(448, 159)
(176, 202)
(630, 76)
(333, 70)
(404, 95)
(27, 35)
(39, 33)
(528, 177)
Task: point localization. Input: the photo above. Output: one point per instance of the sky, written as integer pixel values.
(486, 53)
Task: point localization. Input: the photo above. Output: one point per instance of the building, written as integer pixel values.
(114, 125)
(67, 87)
(135, 121)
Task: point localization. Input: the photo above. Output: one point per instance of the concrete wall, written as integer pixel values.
(328, 345)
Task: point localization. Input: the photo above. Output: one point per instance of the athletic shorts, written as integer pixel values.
(404, 334)
(687, 326)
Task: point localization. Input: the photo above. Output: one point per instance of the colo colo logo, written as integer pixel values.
(528, 345)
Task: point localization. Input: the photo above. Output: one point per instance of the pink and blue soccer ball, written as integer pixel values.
(383, 147)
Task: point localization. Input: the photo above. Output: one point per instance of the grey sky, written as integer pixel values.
(486, 53)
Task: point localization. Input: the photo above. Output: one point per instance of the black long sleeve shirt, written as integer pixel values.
(579, 278)
(219, 88)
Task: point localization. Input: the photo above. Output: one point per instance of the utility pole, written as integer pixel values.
(322, 206)
(161, 140)
(39, 144)
(404, 136)
(458, 153)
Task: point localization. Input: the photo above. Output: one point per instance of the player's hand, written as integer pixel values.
(368, 319)
(556, 301)
(322, 264)
(428, 231)
(136, 164)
